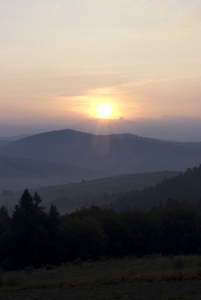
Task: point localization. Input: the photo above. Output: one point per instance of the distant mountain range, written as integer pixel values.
(67, 155)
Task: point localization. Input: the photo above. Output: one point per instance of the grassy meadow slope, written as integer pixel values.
(72, 196)
(151, 277)
(117, 153)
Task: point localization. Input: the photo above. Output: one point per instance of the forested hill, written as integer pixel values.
(117, 153)
(184, 187)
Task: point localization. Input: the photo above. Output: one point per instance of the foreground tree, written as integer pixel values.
(28, 231)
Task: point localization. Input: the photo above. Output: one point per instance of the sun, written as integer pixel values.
(104, 110)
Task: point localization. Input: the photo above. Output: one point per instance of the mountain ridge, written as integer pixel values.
(115, 153)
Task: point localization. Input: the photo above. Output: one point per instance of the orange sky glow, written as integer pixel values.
(61, 59)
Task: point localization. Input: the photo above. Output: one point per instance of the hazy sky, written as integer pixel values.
(59, 59)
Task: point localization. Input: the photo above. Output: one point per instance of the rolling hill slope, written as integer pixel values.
(72, 196)
(183, 187)
(118, 153)
(21, 173)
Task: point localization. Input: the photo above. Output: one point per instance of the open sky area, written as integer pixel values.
(60, 59)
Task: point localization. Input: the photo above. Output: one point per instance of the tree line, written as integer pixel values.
(34, 236)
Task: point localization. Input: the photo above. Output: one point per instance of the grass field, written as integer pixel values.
(151, 277)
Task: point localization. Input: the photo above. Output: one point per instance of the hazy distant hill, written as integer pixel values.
(4, 142)
(118, 153)
(21, 173)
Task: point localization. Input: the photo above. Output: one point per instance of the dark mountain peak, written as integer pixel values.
(69, 135)
(55, 134)
(116, 153)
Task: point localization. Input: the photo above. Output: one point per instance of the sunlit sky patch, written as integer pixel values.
(60, 59)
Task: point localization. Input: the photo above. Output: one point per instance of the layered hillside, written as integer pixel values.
(118, 153)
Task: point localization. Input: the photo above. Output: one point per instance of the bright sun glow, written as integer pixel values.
(104, 110)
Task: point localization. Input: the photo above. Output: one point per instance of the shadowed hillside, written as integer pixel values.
(72, 196)
(21, 173)
(184, 187)
(118, 153)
